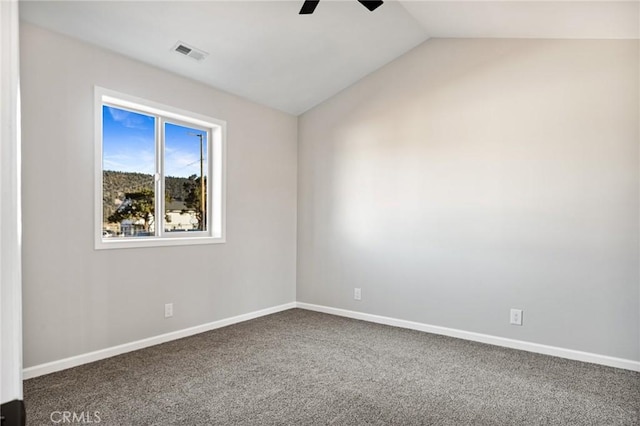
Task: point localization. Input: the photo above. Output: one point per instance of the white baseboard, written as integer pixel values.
(74, 361)
(626, 364)
(77, 360)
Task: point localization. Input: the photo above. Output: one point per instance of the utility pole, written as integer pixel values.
(203, 211)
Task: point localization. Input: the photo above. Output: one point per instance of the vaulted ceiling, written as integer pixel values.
(266, 52)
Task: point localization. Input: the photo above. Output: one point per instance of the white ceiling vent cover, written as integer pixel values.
(190, 51)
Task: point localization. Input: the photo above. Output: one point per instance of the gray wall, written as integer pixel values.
(461, 180)
(472, 176)
(77, 299)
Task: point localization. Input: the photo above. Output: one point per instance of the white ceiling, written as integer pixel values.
(266, 52)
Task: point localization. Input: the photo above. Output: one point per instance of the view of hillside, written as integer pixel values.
(116, 184)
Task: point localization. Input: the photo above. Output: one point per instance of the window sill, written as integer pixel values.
(120, 243)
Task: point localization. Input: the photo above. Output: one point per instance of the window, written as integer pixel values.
(159, 174)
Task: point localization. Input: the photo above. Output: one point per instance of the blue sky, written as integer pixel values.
(128, 145)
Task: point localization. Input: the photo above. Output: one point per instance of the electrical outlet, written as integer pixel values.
(516, 316)
(168, 310)
(357, 294)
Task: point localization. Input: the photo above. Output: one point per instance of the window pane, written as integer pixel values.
(185, 165)
(128, 168)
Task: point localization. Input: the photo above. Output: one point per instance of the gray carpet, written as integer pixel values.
(305, 368)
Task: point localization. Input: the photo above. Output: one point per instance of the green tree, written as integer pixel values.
(193, 200)
(136, 206)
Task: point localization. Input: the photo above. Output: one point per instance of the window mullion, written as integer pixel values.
(159, 199)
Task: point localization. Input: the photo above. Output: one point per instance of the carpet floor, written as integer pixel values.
(300, 367)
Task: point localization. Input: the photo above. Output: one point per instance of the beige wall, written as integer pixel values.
(473, 176)
(76, 299)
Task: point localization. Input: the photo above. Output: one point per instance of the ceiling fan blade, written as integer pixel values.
(308, 7)
(371, 5)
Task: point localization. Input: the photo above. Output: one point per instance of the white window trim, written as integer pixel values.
(216, 211)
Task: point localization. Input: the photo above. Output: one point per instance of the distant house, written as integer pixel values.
(130, 228)
(179, 218)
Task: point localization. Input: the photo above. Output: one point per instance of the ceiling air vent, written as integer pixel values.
(189, 51)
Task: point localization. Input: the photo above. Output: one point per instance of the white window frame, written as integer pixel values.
(216, 149)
